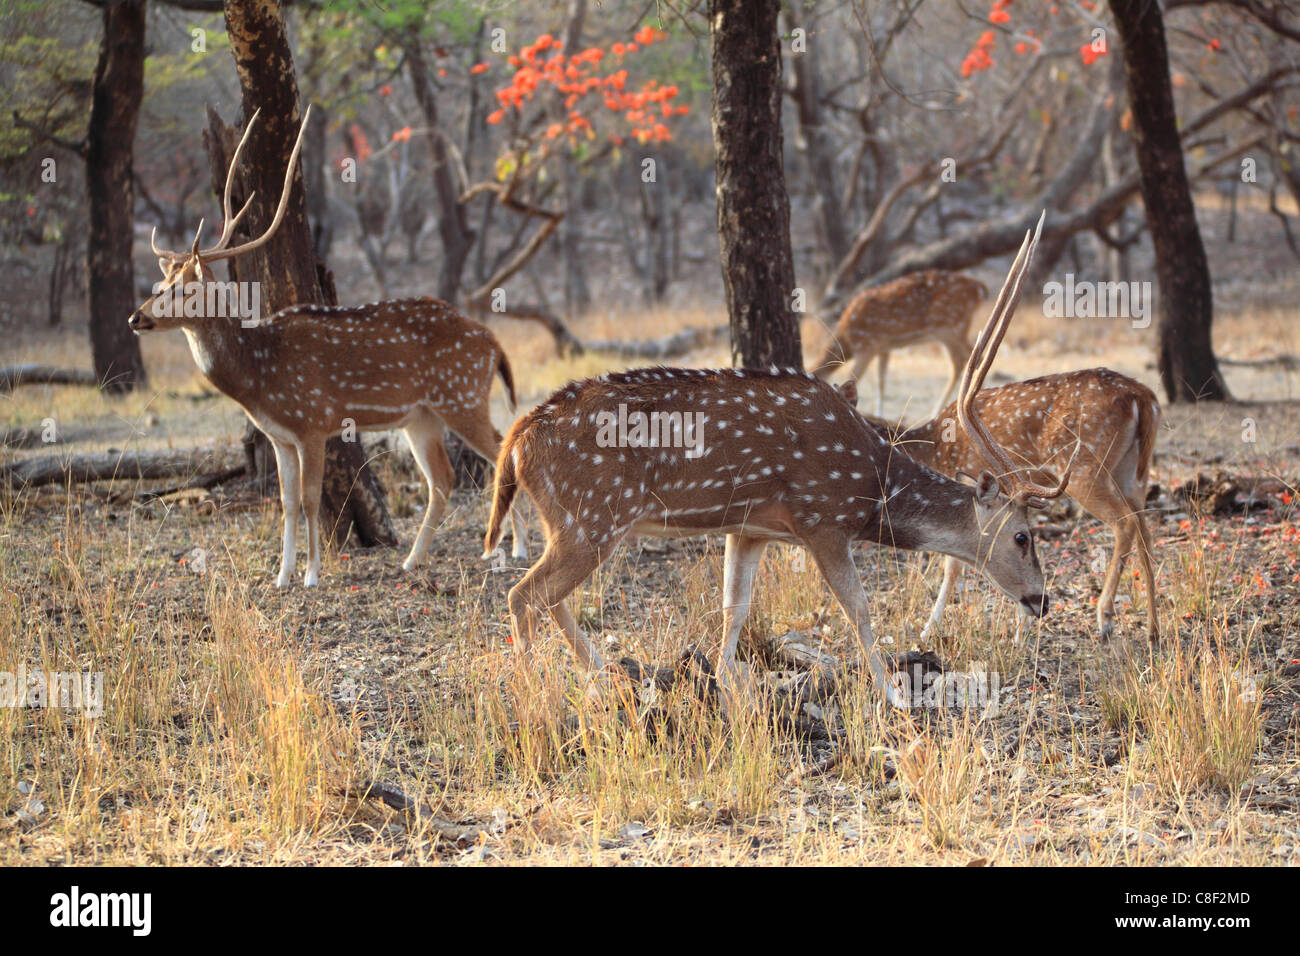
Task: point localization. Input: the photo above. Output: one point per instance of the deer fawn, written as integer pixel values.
(786, 457)
(1112, 417)
(921, 306)
(311, 371)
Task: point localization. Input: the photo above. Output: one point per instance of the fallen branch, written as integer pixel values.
(113, 466)
(206, 482)
(390, 796)
(1286, 360)
(11, 376)
(669, 346)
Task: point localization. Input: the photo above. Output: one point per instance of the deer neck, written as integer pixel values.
(925, 511)
(227, 355)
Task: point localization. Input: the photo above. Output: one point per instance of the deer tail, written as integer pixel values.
(504, 487)
(507, 379)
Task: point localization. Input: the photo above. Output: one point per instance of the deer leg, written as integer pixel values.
(951, 568)
(562, 567)
(286, 463)
(859, 366)
(1148, 572)
(835, 560)
(425, 435)
(741, 558)
(1123, 529)
(880, 382)
(312, 455)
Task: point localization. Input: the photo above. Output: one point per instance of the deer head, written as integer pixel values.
(1005, 550)
(181, 298)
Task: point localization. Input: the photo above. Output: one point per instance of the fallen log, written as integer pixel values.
(392, 797)
(115, 466)
(11, 376)
(669, 346)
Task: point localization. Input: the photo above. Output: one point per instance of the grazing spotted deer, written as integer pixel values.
(919, 307)
(1111, 417)
(774, 455)
(310, 372)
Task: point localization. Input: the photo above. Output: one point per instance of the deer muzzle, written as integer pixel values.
(1035, 605)
(139, 322)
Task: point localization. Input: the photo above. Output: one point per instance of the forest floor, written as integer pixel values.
(239, 720)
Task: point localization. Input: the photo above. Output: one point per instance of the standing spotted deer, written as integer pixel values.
(776, 455)
(933, 305)
(1111, 417)
(310, 372)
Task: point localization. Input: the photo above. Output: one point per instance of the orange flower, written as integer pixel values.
(1089, 54)
(385, 90)
(480, 67)
(495, 116)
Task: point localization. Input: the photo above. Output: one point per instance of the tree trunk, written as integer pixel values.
(453, 218)
(753, 206)
(313, 172)
(286, 267)
(815, 143)
(1188, 368)
(577, 292)
(110, 277)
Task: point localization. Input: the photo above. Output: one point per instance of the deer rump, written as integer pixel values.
(676, 452)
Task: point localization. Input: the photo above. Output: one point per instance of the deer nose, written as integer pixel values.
(1035, 604)
(139, 322)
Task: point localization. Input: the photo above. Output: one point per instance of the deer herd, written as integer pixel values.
(785, 456)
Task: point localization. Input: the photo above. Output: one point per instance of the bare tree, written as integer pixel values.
(1188, 368)
(753, 206)
(110, 137)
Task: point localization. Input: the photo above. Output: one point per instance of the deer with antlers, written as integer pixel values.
(932, 305)
(310, 372)
(764, 455)
(1109, 417)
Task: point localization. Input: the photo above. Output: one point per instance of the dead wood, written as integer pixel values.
(11, 376)
(114, 466)
(391, 796)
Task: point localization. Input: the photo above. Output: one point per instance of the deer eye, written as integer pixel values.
(1022, 539)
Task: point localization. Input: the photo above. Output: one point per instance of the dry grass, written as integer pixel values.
(237, 717)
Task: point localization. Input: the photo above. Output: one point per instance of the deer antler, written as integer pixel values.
(219, 251)
(229, 221)
(977, 367)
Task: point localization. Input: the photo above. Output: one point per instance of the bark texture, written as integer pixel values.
(110, 278)
(1188, 368)
(753, 206)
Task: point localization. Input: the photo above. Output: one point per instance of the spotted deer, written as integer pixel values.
(933, 305)
(310, 372)
(1112, 419)
(773, 455)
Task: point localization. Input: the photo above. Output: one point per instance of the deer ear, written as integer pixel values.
(987, 489)
(849, 390)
